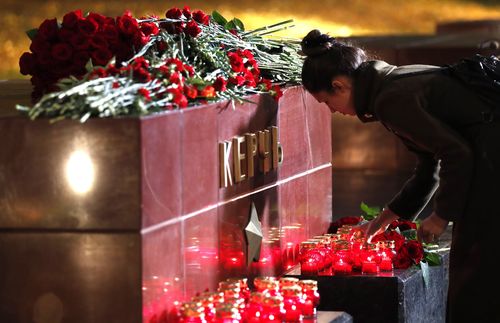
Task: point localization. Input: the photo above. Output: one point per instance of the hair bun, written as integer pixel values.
(316, 43)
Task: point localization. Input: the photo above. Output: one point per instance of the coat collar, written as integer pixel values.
(368, 80)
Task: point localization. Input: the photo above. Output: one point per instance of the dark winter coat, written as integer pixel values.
(457, 146)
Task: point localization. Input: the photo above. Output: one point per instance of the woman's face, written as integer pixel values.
(341, 98)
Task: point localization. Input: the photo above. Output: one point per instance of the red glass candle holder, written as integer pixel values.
(227, 313)
(273, 310)
(386, 264)
(369, 267)
(192, 312)
(293, 303)
(311, 298)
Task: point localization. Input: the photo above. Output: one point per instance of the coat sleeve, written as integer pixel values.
(404, 113)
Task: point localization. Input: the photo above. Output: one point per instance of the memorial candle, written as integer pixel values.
(369, 267)
(311, 298)
(386, 264)
(293, 303)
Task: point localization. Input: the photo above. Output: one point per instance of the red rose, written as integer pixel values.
(109, 32)
(65, 34)
(27, 63)
(71, 18)
(87, 27)
(48, 29)
(81, 58)
(101, 56)
(192, 29)
(97, 18)
(45, 58)
(415, 250)
(80, 41)
(201, 17)
(62, 51)
(149, 28)
(39, 44)
(174, 13)
(127, 25)
(402, 259)
(98, 41)
(403, 225)
(220, 84)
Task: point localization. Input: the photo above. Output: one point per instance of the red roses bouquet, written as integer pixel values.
(99, 66)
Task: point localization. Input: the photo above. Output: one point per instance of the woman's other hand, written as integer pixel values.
(378, 224)
(431, 228)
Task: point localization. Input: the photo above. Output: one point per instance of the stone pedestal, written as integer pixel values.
(114, 220)
(399, 297)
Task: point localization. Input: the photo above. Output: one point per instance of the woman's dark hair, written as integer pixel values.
(326, 59)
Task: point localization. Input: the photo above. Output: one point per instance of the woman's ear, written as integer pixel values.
(341, 83)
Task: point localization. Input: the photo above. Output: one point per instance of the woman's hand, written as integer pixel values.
(431, 228)
(377, 225)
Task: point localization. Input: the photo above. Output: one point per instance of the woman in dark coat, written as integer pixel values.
(456, 139)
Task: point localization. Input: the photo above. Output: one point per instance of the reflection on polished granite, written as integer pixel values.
(375, 188)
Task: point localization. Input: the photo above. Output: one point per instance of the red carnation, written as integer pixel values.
(142, 75)
(192, 29)
(144, 93)
(149, 28)
(71, 18)
(208, 92)
(236, 62)
(190, 91)
(186, 12)
(220, 84)
(174, 13)
(237, 80)
(277, 92)
(201, 17)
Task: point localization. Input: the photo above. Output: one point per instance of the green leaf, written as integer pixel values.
(371, 212)
(32, 33)
(230, 25)
(89, 67)
(410, 234)
(239, 24)
(425, 273)
(218, 18)
(432, 258)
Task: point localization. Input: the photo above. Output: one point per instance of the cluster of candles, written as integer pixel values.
(286, 299)
(344, 253)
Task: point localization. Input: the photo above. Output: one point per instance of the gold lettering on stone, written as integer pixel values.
(224, 165)
(264, 151)
(262, 145)
(238, 156)
(251, 142)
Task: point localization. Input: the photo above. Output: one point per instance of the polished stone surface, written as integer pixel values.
(156, 179)
(332, 317)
